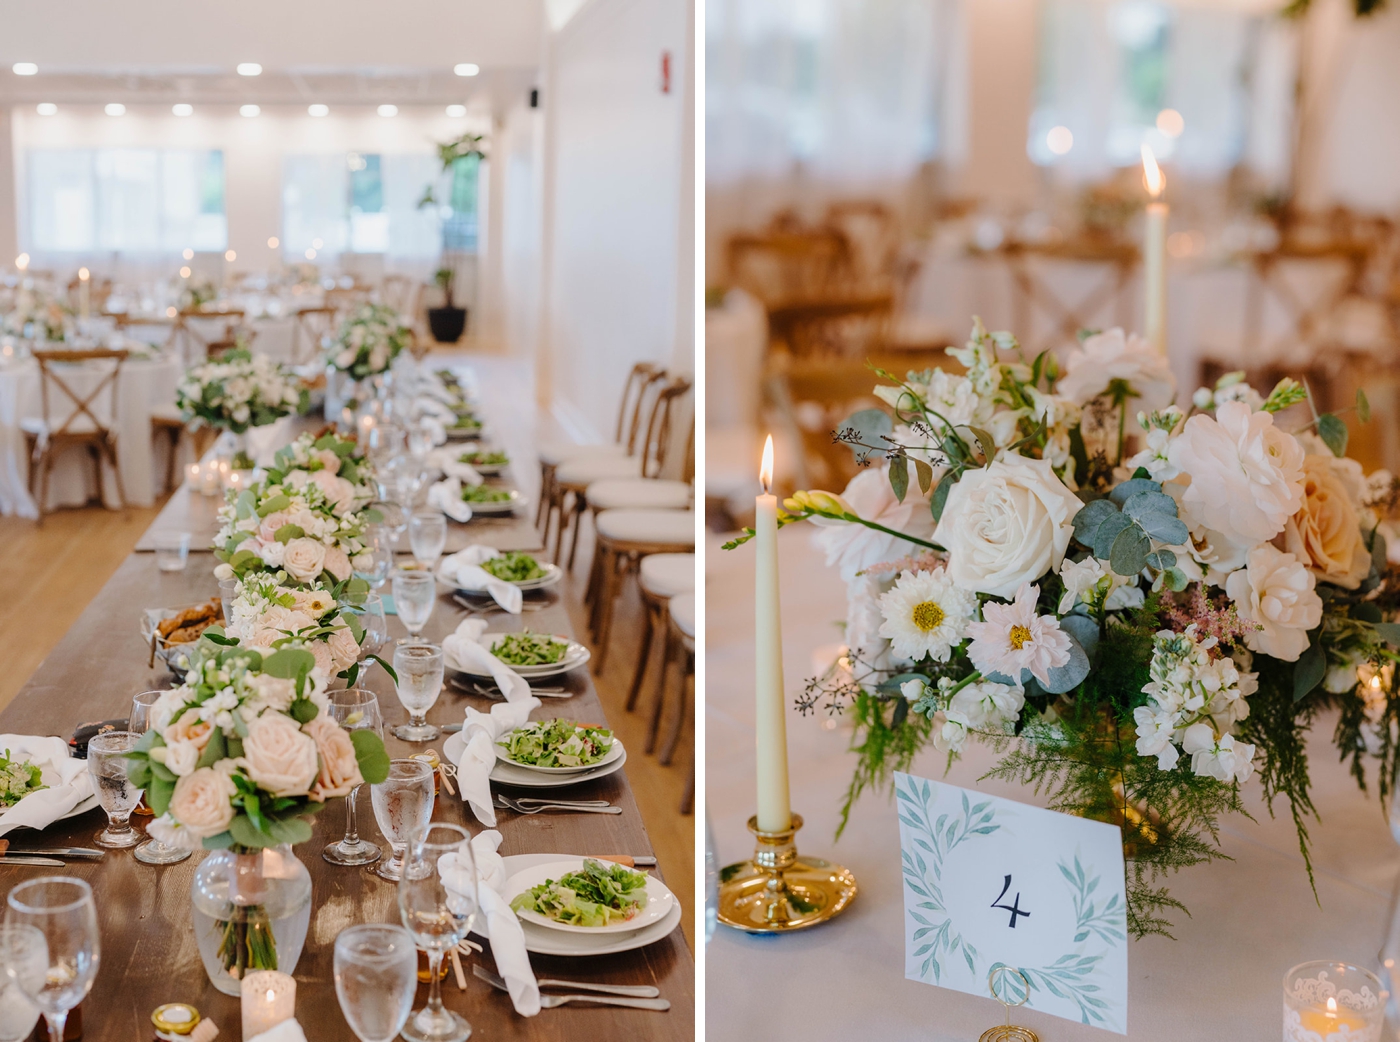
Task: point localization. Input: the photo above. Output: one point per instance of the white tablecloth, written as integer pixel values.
(144, 386)
(1221, 979)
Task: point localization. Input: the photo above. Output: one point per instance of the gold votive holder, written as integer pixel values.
(779, 891)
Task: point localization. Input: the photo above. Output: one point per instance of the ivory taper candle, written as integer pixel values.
(1154, 254)
(774, 808)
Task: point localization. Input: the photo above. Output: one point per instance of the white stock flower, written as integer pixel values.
(1221, 758)
(1079, 578)
(1154, 731)
(1276, 591)
(1155, 457)
(949, 730)
(988, 705)
(1006, 524)
(1110, 356)
(1246, 474)
(926, 614)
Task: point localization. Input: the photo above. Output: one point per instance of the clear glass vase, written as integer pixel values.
(251, 912)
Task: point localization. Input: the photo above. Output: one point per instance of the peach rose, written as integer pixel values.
(325, 660)
(185, 740)
(202, 803)
(339, 491)
(338, 563)
(329, 460)
(1325, 533)
(340, 771)
(314, 603)
(267, 528)
(345, 649)
(278, 756)
(304, 559)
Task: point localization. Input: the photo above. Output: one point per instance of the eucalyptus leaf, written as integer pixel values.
(1083, 629)
(924, 473)
(1389, 632)
(1132, 487)
(1311, 668)
(1069, 676)
(1105, 535)
(287, 533)
(1130, 549)
(1175, 579)
(1363, 406)
(274, 504)
(899, 477)
(370, 754)
(245, 504)
(1333, 432)
(1090, 516)
(939, 499)
(288, 663)
(985, 442)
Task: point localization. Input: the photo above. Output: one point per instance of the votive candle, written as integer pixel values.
(268, 998)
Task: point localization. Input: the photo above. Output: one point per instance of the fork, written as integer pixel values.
(636, 991)
(520, 808)
(481, 609)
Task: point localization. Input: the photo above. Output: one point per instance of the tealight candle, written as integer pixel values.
(1332, 1000)
(195, 474)
(268, 998)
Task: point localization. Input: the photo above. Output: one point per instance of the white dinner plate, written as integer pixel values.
(461, 434)
(552, 574)
(575, 655)
(655, 907)
(521, 777)
(504, 506)
(614, 753)
(489, 470)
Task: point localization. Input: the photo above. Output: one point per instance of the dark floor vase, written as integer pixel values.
(447, 324)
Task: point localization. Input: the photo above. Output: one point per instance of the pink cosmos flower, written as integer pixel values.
(1014, 638)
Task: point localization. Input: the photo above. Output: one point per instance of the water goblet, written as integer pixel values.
(393, 519)
(354, 709)
(403, 807)
(427, 535)
(376, 625)
(55, 970)
(420, 441)
(153, 851)
(376, 977)
(415, 593)
(374, 563)
(228, 590)
(107, 762)
(23, 952)
(419, 666)
(437, 905)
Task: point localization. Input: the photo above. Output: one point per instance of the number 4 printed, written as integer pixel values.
(1014, 908)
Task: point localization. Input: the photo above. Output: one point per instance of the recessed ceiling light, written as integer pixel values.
(249, 110)
(24, 68)
(249, 69)
(456, 111)
(466, 69)
(46, 108)
(182, 109)
(116, 108)
(318, 110)
(388, 110)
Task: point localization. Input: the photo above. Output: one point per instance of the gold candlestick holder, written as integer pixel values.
(778, 891)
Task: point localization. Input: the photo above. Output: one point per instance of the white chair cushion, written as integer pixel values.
(676, 527)
(682, 609)
(554, 453)
(667, 575)
(646, 493)
(597, 468)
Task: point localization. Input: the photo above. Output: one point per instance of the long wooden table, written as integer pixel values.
(149, 955)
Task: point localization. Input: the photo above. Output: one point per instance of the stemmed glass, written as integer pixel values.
(427, 535)
(376, 977)
(415, 593)
(376, 625)
(107, 763)
(56, 965)
(418, 664)
(153, 851)
(354, 709)
(21, 947)
(403, 806)
(438, 903)
(395, 520)
(376, 560)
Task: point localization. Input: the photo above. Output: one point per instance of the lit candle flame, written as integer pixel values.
(84, 274)
(1152, 175)
(1331, 1007)
(765, 472)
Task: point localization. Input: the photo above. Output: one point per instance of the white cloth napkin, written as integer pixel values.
(435, 427)
(290, 1031)
(425, 405)
(502, 925)
(446, 495)
(447, 461)
(67, 779)
(464, 568)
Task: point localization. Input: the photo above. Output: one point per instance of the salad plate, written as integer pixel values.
(552, 574)
(575, 655)
(521, 777)
(614, 752)
(656, 899)
(499, 506)
(485, 469)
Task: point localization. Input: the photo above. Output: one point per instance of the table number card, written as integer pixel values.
(991, 882)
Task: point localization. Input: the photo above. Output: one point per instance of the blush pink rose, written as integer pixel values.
(340, 770)
(279, 757)
(202, 803)
(337, 563)
(329, 460)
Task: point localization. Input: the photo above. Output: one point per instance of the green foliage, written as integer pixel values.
(882, 746)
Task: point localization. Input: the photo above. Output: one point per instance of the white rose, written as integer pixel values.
(1006, 524)
(1109, 356)
(855, 547)
(223, 570)
(272, 554)
(1246, 474)
(1277, 592)
(202, 803)
(304, 559)
(279, 757)
(181, 757)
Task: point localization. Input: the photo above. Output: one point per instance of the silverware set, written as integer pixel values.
(48, 858)
(633, 996)
(490, 607)
(488, 691)
(531, 805)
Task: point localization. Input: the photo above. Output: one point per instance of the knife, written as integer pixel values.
(47, 862)
(69, 852)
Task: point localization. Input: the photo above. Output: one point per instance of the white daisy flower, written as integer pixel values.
(926, 614)
(1014, 638)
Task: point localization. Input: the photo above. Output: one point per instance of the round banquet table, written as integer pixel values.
(1221, 978)
(145, 385)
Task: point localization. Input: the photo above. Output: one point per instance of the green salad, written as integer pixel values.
(467, 422)
(495, 458)
(557, 743)
(18, 778)
(529, 649)
(514, 566)
(485, 494)
(600, 895)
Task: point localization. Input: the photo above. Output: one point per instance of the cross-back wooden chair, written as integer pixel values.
(783, 267)
(1035, 298)
(1339, 265)
(82, 426)
(310, 328)
(196, 328)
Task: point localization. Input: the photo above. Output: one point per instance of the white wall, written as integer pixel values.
(613, 253)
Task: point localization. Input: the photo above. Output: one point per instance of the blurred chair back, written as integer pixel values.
(656, 444)
(67, 410)
(311, 329)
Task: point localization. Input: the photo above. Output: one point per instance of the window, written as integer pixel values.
(126, 200)
(364, 202)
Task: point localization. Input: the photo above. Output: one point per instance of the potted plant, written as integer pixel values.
(460, 158)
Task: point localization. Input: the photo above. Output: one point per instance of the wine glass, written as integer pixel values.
(107, 763)
(395, 521)
(403, 806)
(23, 951)
(153, 851)
(438, 903)
(376, 625)
(354, 709)
(376, 560)
(427, 535)
(61, 912)
(419, 666)
(415, 593)
(376, 976)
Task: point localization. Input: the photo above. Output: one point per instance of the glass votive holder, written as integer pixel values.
(194, 476)
(172, 550)
(1332, 1000)
(228, 590)
(238, 480)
